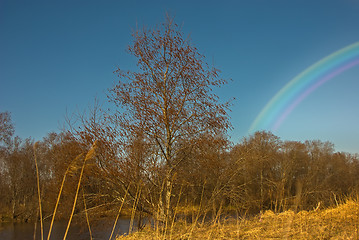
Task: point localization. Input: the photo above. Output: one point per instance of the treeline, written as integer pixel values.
(261, 172)
(18, 188)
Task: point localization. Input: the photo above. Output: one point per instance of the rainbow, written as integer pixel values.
(295, 91)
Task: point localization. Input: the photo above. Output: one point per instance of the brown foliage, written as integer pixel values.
(169, 103)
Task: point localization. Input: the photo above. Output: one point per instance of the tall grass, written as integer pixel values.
(60, 193)
(89, 155)
(119, 211)
(134, 207)
(86, 214)
(38, 191)
(338, 222)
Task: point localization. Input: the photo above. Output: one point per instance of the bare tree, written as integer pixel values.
(169, 100)
(6, 127)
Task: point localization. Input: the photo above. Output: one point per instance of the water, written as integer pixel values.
(101, 230)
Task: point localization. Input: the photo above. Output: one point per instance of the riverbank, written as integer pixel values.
(100, 229)
(340, 222)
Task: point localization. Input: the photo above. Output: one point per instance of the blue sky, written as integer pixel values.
(57, 56)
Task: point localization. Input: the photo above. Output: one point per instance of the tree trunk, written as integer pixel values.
(161, 211)
(164, 202)
(168, 197)
(13, 209)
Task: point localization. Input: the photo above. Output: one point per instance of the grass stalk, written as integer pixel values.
(38, 191)
(138, 193)
(199, 210)
(216, 221)
(175, 212)
(87, 217)
(35, 227)
(119, 211)
(88, 156)
(59, 195)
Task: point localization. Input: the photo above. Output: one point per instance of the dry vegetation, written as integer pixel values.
(339, 222)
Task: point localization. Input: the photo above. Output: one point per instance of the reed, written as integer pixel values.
(175, 212)
(38, 191)
(60, 193)
(35, 227)
(87, 217)
(134, 207)
(89, 155)
(119, 211)
(198, 212)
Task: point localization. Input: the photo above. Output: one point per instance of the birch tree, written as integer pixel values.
(169, 99)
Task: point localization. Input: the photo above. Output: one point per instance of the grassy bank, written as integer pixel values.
(340, 222)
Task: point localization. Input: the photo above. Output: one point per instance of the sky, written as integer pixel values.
(56, 57)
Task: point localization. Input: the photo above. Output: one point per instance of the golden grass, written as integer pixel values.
(60, 193)
(90, 154)
(38, 190)
(340, 222)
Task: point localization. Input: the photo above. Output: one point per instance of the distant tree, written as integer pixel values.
(207, 173)
(19, 176)
(169, 100)
(260, 152)
(6, 127)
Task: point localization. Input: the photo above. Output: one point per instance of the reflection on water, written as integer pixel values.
(101, 230)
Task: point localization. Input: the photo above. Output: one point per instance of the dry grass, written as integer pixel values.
(38, 191)
(90, 154)
(340, 222)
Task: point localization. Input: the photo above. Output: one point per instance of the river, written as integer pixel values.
(101, 230)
